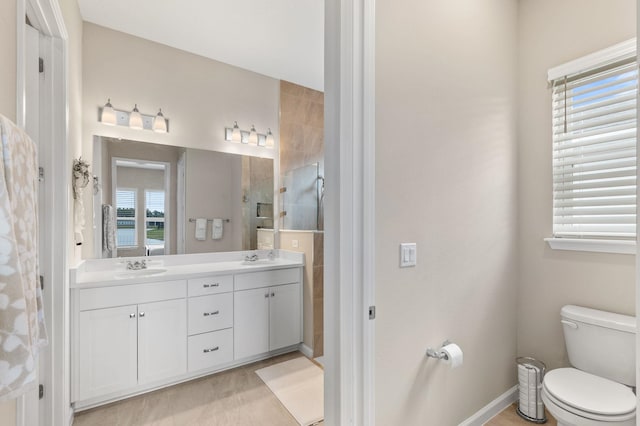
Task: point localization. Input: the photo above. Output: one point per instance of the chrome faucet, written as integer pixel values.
(252, 258)
(271, 255)
(136, 265)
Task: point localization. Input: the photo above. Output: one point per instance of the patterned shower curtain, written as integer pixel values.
(22, 328)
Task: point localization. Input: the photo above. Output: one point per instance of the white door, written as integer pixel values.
(108, 353)
(251, 322)
(162, 340)
(284, 316)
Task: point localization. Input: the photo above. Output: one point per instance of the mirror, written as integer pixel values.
(156, 197)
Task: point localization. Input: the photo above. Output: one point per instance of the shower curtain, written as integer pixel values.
(22, 328)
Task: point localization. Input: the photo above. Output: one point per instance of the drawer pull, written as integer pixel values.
(206, 314)
(132, 315)
(206, 351)
(211, 285)
(141, 314)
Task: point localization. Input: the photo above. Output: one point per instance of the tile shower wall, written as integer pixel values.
(257, 187)
(301, 146)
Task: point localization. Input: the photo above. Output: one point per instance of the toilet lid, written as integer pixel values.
(589, 393)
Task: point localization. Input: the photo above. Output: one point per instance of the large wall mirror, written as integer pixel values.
(154, 199)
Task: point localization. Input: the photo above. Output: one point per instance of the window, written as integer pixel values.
(126, 233)
(154, 218)
(594, 146)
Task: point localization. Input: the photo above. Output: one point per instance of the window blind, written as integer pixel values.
(126, 235)
(594, 151)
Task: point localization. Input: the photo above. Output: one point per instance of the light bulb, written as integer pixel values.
(108, 114)
(135, 119)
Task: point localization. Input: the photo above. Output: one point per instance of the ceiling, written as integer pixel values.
(283, 39)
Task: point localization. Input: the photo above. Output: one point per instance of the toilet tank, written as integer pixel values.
(601, 343)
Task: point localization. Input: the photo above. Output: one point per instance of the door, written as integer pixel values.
(251, 322)
(162, 340)
(284, 316)
(108, 354)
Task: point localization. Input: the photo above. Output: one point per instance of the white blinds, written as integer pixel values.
(594, 152)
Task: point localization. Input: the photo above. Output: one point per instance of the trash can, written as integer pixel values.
(530, 375)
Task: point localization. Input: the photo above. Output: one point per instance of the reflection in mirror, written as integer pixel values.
(156, 193)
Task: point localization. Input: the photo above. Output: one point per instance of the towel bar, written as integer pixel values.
(209, 220)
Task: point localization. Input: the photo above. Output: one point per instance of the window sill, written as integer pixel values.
(599, 246)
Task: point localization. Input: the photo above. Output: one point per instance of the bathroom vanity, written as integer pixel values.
(179, 318)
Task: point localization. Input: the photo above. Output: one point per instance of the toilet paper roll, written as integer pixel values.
(454, 355)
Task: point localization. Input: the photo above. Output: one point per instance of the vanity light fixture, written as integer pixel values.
(269, 140)
(235, 134)
(135, 119)
(108, 115)
(159, 123)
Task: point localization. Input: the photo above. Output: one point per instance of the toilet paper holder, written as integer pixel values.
(438, 354)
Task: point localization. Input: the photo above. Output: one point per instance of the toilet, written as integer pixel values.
(597, 389)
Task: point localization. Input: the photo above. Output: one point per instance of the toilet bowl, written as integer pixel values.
(577, 398)
(597, 389)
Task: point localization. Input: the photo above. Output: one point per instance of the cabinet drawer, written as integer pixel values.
(210, 313)
(210, 285)
(266, 278)
(210, 349)
(132, 294)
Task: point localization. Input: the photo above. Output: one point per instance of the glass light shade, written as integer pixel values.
(159, 123)
(135, 119)
(108, 114)
(270, 140)
(253, 136)
(236, 136)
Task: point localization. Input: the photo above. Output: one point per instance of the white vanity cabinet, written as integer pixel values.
(124, 346)
(267, 311)
(134, 336)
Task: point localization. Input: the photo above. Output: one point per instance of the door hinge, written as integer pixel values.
(41, 65)
(41, 391)
(41, 282)
(372, 312)
(40, 174)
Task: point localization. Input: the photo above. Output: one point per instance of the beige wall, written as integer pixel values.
(445, 179)
(8, 109)
(8, 46)
(552, 32)
(216, 194)
(199, 96)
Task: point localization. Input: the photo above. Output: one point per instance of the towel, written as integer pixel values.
(22, 328)
(108, 230)
(201, 229)
(216, 229)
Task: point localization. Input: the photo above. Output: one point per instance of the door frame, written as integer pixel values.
(349, 215)
(46, 16)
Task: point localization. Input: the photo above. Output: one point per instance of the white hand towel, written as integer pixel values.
(201, 229)
(216, 229)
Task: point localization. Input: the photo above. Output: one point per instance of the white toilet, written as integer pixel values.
(598, 390)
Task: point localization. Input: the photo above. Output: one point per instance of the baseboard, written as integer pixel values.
(492, 408)
(306, 350)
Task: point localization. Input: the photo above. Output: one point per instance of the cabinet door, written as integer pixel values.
(251, 322)
(284, 316)
(162, 340)
(108, 350)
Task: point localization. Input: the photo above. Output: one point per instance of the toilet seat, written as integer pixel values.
(589, 396)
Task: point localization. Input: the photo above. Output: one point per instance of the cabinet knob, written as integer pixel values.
(211, 285)
(273, 295)
(132, 315)
(141, 314)
(206, 314)
(266, 295)
(206, 351)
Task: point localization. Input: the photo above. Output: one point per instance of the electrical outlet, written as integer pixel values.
(294, 243)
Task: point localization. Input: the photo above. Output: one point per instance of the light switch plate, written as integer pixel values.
(408, 254)
(294, 243)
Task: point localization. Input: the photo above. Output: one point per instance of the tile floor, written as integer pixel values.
(509, 417)
(236, 397)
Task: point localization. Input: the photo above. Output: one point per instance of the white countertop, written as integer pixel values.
(108, 272)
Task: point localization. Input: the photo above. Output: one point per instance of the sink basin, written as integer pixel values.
(141, 273)
(259, 262)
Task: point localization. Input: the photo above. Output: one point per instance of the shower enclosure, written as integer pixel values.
(302, 196)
